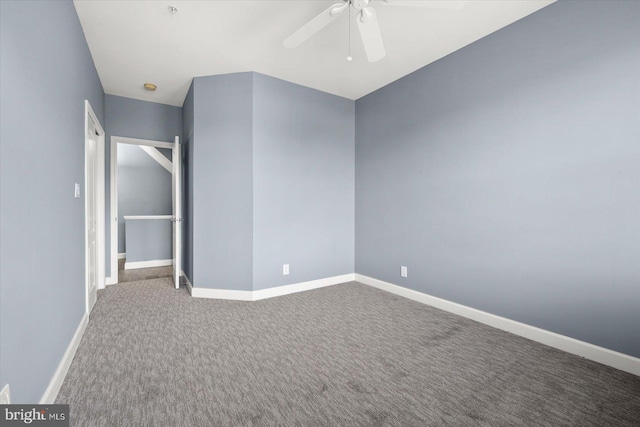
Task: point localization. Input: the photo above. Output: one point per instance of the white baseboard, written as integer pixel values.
(302, 286)
(593, 352)
(52, 390)
(123, 255)
(270, 292)
(147, 264)
(189, 285)
(111, 280)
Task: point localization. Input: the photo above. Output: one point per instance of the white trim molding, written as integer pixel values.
(122, 255)
(98, 191)
(137, 217)
(52, 390)
(145, 142)
(269, 292)
(189, 285)
(113, 215)
(147, 264)
(589, 351)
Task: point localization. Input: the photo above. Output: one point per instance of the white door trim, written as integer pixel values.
(176, 193)
(113, 196)
(100, 201)
(113, 214)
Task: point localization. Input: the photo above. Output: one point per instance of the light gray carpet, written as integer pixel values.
(345, 355)
(138, 274)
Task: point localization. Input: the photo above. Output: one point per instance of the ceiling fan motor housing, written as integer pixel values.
(359, 4)
(367, 25)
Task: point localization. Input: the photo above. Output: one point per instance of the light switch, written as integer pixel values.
(77, 191)
(403, 271)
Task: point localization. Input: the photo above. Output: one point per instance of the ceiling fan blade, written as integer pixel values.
(371, 35)
(315, 25)
(434, 4)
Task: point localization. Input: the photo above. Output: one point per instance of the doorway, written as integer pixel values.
(94, 207)
(145, 209)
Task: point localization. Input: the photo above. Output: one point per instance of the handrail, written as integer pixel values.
(136, 217)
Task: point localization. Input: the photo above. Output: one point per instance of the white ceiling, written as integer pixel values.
(133, 42)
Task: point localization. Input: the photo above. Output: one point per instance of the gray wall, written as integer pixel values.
(270, 181)
(221, 149)
(144, 188)
(187, 185)
(506, 175)
(303, 183)
(136, 119)
(149, 239)
(46, 73)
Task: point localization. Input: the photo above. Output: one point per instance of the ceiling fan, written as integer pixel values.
(367, 21)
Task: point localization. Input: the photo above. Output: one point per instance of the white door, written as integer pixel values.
(177, 211)
(91, 161)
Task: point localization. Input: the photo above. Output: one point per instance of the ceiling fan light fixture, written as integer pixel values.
(367, 20)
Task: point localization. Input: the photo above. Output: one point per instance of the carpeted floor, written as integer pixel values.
(345, 355)
(138, 274)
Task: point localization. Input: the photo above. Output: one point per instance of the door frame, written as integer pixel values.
(113, 196)
(176, 202)
(99, 190)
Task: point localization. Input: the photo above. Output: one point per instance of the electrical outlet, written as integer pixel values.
(285, 269)
(403, 270)
(5, 396)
